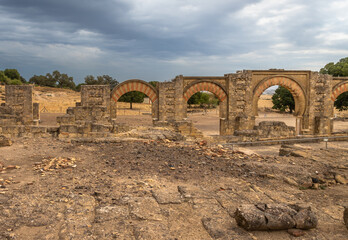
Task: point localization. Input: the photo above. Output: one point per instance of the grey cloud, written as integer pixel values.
(157, 39)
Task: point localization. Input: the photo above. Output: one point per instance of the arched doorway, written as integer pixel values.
(135, 85)
(207, 119)
(340, 117)
(292, 86)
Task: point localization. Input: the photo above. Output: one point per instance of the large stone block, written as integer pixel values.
(275, 217)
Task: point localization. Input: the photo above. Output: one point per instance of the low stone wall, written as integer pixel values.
(271, 129)
(266, 130)
(14, 131)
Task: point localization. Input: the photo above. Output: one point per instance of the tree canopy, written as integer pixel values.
(56, 79)
(339, 69)
(132, 97)
(283, 100)
(100, 80)
(203, 98)
(11, 77)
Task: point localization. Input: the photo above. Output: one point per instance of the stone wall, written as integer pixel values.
(312, 93)
(91, 117)
(19, 116)
(20, 100)
(238, 92)
(320, 104)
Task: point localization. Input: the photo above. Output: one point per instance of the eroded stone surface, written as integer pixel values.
(275, 217)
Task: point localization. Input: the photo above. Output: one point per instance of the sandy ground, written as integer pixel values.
(209, 122)
(157, 190)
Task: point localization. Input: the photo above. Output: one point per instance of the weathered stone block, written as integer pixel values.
(275, 217)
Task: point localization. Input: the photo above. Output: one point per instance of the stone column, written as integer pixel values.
(223, 109)
(36, 113)
(113, 109)
(180, 104)
(154, 112)
(20, 99)
(320, 105)
(298, 126)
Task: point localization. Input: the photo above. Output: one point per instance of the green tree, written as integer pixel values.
(154, 83)
(11, 77)
(3, 78)
(101, 80)
(203, 98)
(283, 100)
(15, 82)
(41, 80)
(62, 80)
(56, 79)
(341, 102)
(132, 97)
(339, 69)
(12, 74)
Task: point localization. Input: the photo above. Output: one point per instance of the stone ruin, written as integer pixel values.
(96, 115)
(19, 116)
(91, 116)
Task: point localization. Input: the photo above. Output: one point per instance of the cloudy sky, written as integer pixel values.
(159, 39)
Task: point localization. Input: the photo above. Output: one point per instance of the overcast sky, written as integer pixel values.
(159, 39)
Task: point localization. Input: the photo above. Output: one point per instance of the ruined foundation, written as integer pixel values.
(96, 115)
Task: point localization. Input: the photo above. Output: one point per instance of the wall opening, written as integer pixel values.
(203, 109)
(134, 109)
(144, 106)
(276, 103)
(54, 102)
(340, 119)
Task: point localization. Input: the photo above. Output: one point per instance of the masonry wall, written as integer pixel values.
(320, 105)
(236, 112)
(20, 99)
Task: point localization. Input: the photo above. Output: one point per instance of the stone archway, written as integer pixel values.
(287, 82)
(294, 88)
(198, 86)
(338, 90)
(135, 85)
(209, 86)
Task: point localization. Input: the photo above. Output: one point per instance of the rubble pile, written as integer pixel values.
(51, 164)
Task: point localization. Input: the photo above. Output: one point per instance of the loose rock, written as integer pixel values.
(340, 179)
(4, 141)
(345, 216)
(274, 217)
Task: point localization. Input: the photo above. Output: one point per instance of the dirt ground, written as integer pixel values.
(161, 190)
(209, 122)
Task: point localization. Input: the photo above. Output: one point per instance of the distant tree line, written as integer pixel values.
(11, 77)
(203, 99)
(62, 80)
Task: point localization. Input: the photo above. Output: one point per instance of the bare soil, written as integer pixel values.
(208, 122)
(160, 190)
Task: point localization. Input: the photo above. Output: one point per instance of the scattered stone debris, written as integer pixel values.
(275, 217)
(4, 141)
(153, 133)
(51, 164)
(163, 189)
(340, 179)
(8, 167)
(295, 151)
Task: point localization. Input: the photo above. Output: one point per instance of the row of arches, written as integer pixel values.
(220, 92)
